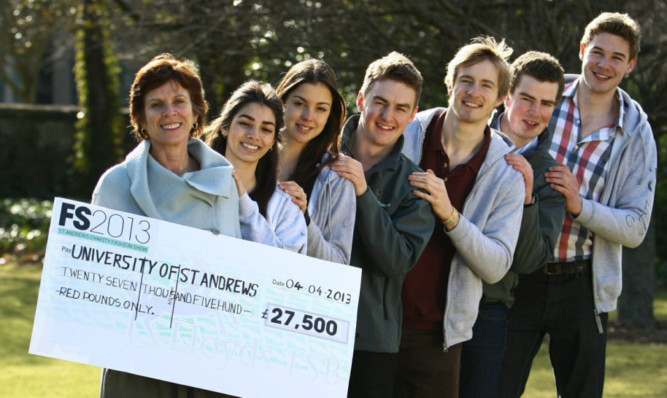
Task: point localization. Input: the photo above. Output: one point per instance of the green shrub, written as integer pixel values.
(24, 227)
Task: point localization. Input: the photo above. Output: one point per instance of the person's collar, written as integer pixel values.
(527, 147)
(350, 128)
(571, 90)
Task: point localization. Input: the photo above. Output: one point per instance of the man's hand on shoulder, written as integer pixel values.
(432, 189)
(562, 180)
(520, 164)
(353, 170)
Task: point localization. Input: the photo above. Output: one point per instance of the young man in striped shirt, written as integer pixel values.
(607, 155)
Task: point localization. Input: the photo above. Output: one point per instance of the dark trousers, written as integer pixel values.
(372, 374)
(425, 369)
(127, 385)
(562, 306)
(482, 357)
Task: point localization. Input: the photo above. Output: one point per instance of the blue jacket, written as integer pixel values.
(205, 199)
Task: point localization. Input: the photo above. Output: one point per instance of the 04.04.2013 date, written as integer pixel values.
(315, 290)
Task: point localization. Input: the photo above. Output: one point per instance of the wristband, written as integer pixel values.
(450, 220)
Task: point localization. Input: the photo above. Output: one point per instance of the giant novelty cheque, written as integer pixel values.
(176, 303)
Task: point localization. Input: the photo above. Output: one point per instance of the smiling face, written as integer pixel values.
(168, 115)
(307, 109)
(605, 60)
(250, 135)
(529, 108)
(475, 92)
(385, 110)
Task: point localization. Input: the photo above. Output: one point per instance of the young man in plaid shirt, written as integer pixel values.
(607, 155)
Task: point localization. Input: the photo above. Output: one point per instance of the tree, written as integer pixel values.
(98, 136)
(26, 31)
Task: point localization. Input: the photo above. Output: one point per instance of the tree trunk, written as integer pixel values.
(101, 105)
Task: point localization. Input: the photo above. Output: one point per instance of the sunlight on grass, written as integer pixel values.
(52, 378)
(660, 304)
(24, 375)
(628, 365)
(633, 370)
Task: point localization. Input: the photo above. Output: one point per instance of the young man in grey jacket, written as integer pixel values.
(477, 199)
(536, 86)
(604, 145)
(392, 224)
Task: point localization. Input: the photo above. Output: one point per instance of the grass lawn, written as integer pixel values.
(24, 375)
(29, 376)
(633, 370)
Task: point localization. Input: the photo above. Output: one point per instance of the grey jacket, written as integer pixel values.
(284, 226)
(621, 217)
(331, 207)
(205, 199)
(486, 234)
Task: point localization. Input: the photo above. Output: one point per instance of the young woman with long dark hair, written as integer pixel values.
(247, 133)
(314, 113)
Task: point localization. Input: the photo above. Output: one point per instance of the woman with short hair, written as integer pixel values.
(171, 175)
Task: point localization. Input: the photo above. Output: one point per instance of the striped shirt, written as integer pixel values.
(587, 158)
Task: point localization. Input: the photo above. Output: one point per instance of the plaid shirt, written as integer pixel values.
(587, 158)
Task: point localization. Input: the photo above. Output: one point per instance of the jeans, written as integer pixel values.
(562, 306)
(482, 357)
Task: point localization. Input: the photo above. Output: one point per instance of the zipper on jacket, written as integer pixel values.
(384, 299)
(598, 321)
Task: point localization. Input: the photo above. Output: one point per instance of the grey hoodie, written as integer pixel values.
(284, 225)
(332, 209)
(486, 234)
(622, 215)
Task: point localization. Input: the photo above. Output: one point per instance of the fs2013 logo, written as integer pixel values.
(104, 222)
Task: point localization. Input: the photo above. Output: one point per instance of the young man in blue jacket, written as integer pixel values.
(535, 88)
(392, 224)
(477, 199)
(607, 172)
